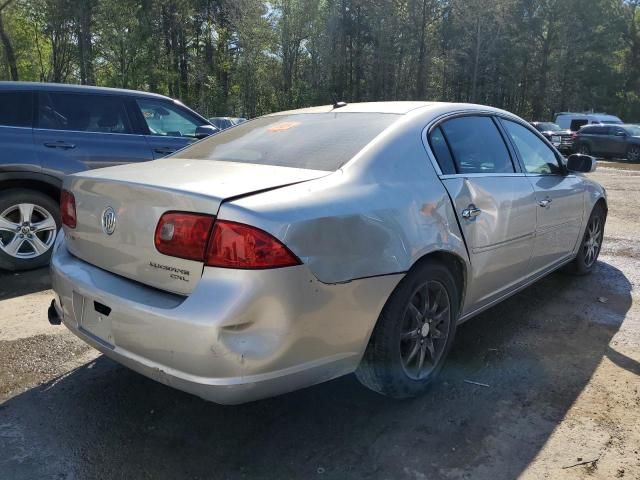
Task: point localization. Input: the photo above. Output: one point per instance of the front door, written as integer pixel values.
(495, 204)
(76, 132)
(559, 197)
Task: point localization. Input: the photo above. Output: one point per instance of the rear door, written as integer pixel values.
(168, 125)
(559, 197)
(617, 139)
(494, 201)
(77, 131)
(16, 135)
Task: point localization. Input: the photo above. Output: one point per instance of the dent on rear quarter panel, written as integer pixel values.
(378, 215)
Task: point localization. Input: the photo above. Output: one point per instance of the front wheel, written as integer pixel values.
(29, 221)
(633, 154)
(413, 334)
(591, 243)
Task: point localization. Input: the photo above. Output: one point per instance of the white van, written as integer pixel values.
(573, 121)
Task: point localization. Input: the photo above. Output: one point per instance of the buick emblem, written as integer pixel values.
(109, 220)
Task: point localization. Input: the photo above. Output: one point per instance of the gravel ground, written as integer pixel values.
(562, 361)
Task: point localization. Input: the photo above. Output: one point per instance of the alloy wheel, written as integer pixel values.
(634, 154)
(425, 328)
(584, 150)
(26, 231)
(592, 241)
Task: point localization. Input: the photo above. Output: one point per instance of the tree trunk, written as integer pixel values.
(8, 51)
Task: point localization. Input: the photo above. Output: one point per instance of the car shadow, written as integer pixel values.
(16, 284)
(535, 352)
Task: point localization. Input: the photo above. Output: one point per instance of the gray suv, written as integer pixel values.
(609, 141)
(50, 130)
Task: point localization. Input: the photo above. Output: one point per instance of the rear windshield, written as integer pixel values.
(317, 141)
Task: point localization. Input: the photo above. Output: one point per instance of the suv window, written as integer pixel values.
(595, 130)
(15, 109)
(576, 124)
(477, 145)
(616, 131)
(168, 119)
(318, 141)
(441, 152)
(82, 113)
(535, 154)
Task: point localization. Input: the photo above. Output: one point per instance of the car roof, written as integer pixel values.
(401, 107)
(64, 87)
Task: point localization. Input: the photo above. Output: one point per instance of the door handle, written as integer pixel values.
(60, 144)
(471, 212)
(164, 150)
(545, 203)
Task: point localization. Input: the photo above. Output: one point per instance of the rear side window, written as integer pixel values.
(477, 145)
(441, 151)
(318, 141)
(576, 124)
(15, 109)
(535, 154)
(82, 113)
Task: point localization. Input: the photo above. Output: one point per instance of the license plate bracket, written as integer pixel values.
(96, 321)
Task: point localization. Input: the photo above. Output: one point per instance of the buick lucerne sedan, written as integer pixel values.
(309, 244)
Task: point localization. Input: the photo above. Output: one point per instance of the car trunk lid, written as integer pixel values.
(138, 195)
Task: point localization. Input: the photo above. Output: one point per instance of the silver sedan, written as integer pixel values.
(305, 245)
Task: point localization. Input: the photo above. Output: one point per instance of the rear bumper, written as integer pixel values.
(240, 336)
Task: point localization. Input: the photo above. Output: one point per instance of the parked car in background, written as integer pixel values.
(49, 130)
(226, 122)
(309, 244)
(561, 139)
(573, 121)
(609, 141)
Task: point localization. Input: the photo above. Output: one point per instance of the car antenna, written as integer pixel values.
(337, 103)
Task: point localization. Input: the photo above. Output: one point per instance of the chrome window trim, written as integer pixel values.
(13, 126)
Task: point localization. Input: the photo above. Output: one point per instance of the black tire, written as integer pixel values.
(384, 368)
(584, 262)
(43, 205)
(633, 153)
(583, 149)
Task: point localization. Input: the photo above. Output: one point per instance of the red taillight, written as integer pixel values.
(184, 235)
(235, 245)
(68, 209)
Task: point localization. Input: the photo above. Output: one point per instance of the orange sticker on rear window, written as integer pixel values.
(282, 126)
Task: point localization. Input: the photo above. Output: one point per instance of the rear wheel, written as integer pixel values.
(591, 243)
(29, 221)
(584, 149)
(633, 154)
(413, 334)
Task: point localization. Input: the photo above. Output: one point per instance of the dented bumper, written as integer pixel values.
(239, 336)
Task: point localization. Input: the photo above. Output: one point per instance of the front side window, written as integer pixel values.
(82, 113)
(167, 119)
(535, 154)
(477, 145)
(15, 109)
(576, 124)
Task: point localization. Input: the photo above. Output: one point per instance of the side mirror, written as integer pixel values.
(204, 131)
(581, 163)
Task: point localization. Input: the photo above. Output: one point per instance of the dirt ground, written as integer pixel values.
(561, 361)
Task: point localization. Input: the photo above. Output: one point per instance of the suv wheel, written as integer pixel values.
(633, 154)
(413, 334)
(584, 149)
(29, 221)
